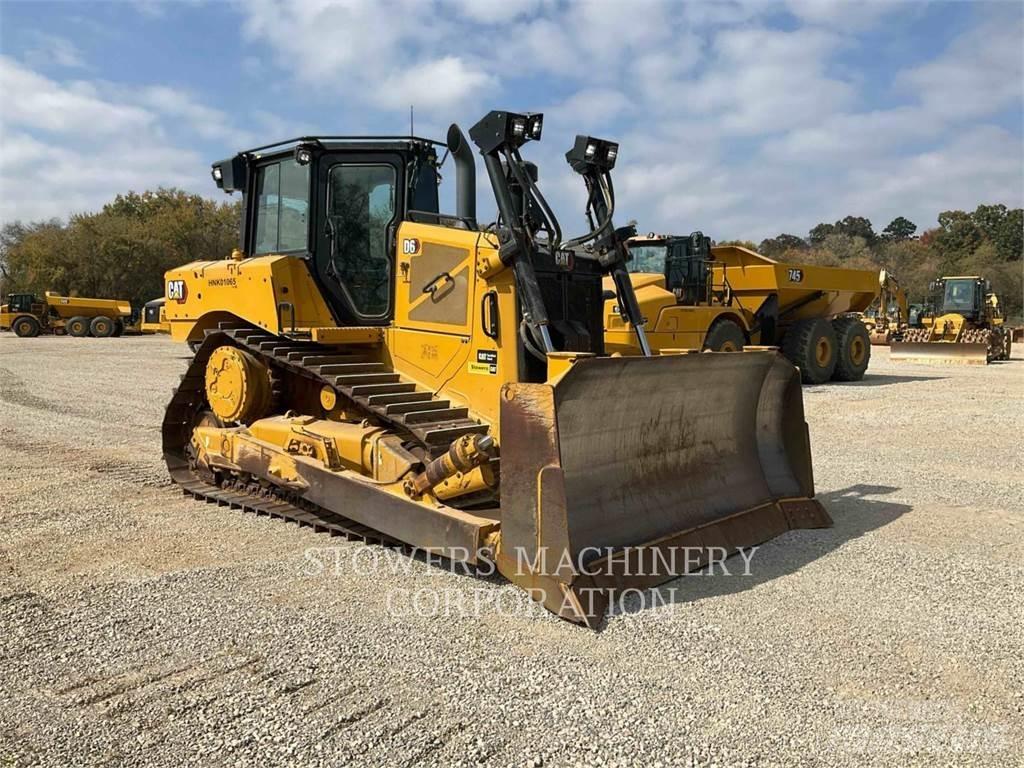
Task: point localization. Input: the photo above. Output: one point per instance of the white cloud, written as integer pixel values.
(72, 146)
(766, 81)
(207, 122)
(980, 73)
(48, 50)
(844, 14)
(494, 11)
(379, 54)
(34, 101)
(40, 180)
(433, 84)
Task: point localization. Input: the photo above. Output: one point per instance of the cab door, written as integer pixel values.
(358, 220)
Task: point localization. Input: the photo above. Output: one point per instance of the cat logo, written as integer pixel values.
(177, 291)
(796, 275)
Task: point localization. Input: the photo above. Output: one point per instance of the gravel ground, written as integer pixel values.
(139, 627)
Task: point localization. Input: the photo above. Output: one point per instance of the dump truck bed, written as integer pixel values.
(803, 291)
(79, 306)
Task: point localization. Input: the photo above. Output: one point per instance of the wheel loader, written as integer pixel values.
(724, 298)
(28, 316)
(370, 366)
(961, 323)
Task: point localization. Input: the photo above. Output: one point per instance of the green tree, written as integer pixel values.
(748, 244)
(121, 251)
(776, 246)
(1003, 227)
(899, 229)
(857, 226)
(818, 234)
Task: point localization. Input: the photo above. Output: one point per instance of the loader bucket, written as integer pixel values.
(626, 472)
(940, 352)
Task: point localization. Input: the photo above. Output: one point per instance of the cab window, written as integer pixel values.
(361, 209)
(959, 295)
(647, 259)
(282, 207)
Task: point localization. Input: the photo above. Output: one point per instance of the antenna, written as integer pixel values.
(412, 131)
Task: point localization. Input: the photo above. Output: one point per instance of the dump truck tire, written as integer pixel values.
(26, 327)
(101, 327)
(724, 336)
(811, 346)
(118, 328)
(854, 351)
(78, 326)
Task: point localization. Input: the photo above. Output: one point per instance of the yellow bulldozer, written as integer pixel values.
(370, 366)
(724, 298)
(889, 318)
(29, 316)
(961, 323)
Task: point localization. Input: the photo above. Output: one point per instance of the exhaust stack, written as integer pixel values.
(465, 174)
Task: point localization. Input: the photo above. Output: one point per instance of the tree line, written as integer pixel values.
(123, 250)
(988, 241)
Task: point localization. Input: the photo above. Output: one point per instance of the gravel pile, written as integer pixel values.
(139, 627)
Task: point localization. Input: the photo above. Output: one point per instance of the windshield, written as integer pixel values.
(959, 296)
(647, 259)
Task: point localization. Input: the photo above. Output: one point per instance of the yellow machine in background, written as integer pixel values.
(962, 324)
(369, 366)
(888, 320)
(28, 316)
(724, 298)
(154, 317)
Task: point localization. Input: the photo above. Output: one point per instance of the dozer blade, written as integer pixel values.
(940, 352)
(627, 472)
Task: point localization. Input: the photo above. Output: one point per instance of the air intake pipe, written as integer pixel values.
(465, 174)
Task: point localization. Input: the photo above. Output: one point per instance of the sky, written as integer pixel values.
(741, 119)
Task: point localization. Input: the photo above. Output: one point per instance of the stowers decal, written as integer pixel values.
(486, 362)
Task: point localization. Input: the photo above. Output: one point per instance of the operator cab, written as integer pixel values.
(960, 295)
(335, 203)
(685, 262)
(20, 302)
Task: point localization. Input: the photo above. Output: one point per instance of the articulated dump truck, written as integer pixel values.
(369, 366)
(28, 316)
(962, 323)
(724, 298)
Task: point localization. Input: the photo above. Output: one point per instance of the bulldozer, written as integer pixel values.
(961, 323)
(29, 316)
(372, 367)
(700, 296)
(888, 320)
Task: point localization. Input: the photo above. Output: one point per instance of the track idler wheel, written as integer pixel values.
(238, 385)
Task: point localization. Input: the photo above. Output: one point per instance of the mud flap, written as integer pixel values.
(624, 470)
(941, 352)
